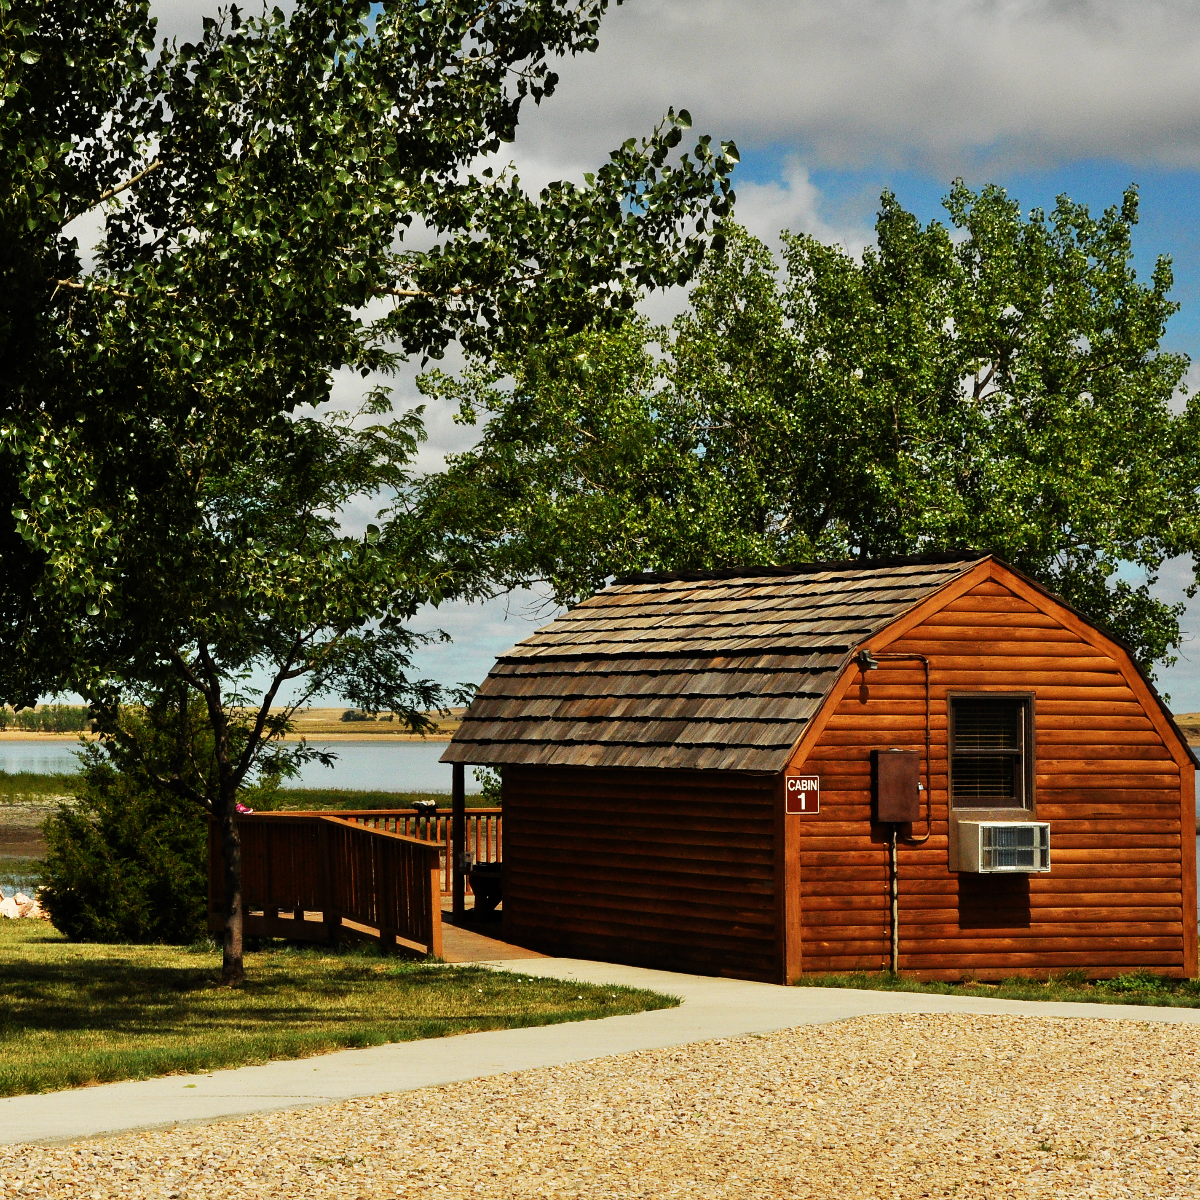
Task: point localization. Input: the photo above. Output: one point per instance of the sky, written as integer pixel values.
(830, 102)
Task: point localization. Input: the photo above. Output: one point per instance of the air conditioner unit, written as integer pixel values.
(1003, 847)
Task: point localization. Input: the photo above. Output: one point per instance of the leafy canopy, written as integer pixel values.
(171, 509)
(293, 196)
(1000, 387)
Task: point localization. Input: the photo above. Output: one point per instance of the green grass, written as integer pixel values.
(335, 798)
(1137, 987)
(81, 1014)
(27, 787)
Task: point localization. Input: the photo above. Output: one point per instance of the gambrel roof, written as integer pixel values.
(717, 671)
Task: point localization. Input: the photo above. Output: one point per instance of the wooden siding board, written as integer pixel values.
(637, 865)
(1106, 779)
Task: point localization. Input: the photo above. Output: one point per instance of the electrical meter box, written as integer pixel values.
(896, 779)
(1008, 847)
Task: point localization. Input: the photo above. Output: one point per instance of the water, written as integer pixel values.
(17, 877)
(383, 767)
(367, 766)
(37, 757)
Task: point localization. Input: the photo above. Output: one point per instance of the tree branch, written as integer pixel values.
(417, 293)
(76, 286)
(171, 783)
(264, 712)
(115, 191)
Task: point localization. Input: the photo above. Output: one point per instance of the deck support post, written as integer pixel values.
(458, 839)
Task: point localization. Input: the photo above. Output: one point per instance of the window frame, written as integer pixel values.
(1028, 772)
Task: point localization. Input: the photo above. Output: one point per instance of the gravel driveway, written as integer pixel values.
(886, 1106)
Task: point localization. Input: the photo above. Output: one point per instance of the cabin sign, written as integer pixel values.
(802, 795)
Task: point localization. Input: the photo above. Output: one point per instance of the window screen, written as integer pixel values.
(988, 753)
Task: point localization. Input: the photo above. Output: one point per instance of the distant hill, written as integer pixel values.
(333, 723)
(1190, 724)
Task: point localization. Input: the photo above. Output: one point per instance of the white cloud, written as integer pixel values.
(88, 232)
(944, 86)
(1182, 681)
(935, 84)
(183, 20)
(480, 633)
(912, 82)
(793, 203)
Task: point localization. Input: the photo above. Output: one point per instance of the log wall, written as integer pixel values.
(1121, 892)
(669, 869)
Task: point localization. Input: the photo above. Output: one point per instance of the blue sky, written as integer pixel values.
(830, 101)
(1169, 210)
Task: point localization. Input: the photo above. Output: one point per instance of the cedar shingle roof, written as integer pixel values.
(705, 671)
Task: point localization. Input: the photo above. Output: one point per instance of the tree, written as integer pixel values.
(173, 507)
(1004, 389)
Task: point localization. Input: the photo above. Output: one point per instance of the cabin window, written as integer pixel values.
(988, 759)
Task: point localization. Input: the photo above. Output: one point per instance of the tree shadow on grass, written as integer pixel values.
(119, 995)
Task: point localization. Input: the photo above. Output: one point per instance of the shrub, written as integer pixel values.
(126, 863)
(128, 860)
(1139, 981)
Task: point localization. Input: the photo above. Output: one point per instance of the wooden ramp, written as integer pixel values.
(467, 942)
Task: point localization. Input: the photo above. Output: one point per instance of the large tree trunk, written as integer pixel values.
(232, 970)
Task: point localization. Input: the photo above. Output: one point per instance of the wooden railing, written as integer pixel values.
(485, 832)
(306, 875)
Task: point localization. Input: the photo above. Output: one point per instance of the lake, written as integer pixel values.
(366, 766)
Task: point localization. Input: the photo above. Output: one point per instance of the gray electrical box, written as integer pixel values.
(896, 786)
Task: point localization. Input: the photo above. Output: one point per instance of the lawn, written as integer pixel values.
(80, 1014)
(1137, 987)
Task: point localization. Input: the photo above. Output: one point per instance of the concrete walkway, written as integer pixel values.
(711, 1008)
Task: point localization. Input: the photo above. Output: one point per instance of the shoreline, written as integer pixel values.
(314, 735)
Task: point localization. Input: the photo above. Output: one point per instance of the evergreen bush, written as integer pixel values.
(126, 862)
(127, 859)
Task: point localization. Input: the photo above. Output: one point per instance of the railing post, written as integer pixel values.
(458, 825)
(435, 910)
(332, 919)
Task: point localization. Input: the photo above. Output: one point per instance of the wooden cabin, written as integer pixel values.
(705, 772)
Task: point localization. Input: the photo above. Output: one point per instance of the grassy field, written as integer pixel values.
(26, 787)
(294, 799)
(328, 722)
(1138, 987)
(81, 1014)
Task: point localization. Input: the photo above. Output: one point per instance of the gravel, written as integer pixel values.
(881, 1106)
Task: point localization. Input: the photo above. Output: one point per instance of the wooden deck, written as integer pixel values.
(378, 874)
(484, 832)
(308, 876)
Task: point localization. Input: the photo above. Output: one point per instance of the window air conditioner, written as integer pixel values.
(988, 848)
